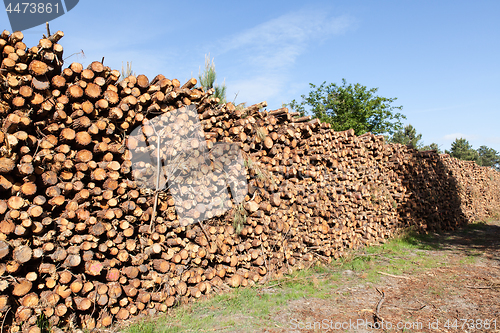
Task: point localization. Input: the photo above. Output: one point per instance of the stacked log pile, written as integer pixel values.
(478, 188)
(83, 244)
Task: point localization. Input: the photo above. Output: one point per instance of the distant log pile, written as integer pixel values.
(84, 245)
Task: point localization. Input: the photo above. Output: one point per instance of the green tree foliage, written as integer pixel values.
(484, 155)
(351, 106)
(208, 80)
(432, 146)
(408, 136)
(462, 149)
(488, 157)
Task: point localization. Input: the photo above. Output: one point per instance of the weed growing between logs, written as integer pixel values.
(261, 174)
(239, 218)
(43, 323)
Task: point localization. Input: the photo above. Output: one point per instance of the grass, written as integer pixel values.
(260, 133)
(239, 218)
(260, 173)
(404, 254)
(253, 308)
(242, 307)
(42, 322)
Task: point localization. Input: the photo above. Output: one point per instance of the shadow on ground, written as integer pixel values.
(472, 240)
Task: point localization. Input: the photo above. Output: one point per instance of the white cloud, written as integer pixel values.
(279, 41)
(267, 52)
(453, 136)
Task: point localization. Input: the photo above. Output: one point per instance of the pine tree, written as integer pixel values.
(488, 157)
(208, 80)
(462, 149)
(407, 136)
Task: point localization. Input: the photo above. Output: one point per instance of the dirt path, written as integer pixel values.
(451, 284)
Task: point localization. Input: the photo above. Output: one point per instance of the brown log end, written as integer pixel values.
(22, 254)
(6, 165)
(38, 68)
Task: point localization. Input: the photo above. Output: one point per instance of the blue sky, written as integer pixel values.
(441, 59)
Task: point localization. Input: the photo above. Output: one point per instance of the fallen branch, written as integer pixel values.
(398, 276)
(411, 309)
(5, 317)
(423, 306)
(376, 316)
(484, 287)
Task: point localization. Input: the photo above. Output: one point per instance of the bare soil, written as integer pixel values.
(460, 294)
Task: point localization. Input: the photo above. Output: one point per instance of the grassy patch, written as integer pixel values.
(404, 254)
(243, 308)
(470, 259)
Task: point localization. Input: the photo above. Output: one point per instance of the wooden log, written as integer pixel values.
(38, 68)
(4, 249)
(190, 83)
(74, 92)
(6, 165)
(82, 303)
(58, 82)
(54, 38)
(22, 287)
(142, 81)
(30, 300)
(23, 313)
(97, 67)
(22, 254)
(92, 91)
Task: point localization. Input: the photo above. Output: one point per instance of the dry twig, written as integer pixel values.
(376, 316)
(5, 317)
(398, 276)
(484, 287)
